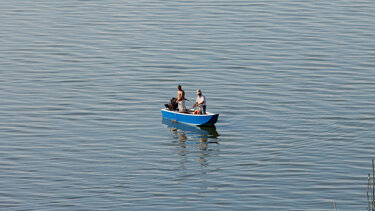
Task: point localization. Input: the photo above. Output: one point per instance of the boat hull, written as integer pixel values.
(207, 119)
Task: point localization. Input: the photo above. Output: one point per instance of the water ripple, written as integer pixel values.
(82, 84)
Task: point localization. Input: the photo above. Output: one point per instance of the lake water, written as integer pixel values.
(82, 84)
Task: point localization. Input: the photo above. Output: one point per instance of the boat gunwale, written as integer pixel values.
(207, 113)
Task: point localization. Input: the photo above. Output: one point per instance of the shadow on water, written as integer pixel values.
(190, 135)
(191, 132)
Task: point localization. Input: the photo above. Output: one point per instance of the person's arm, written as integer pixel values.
(201, 103)
(196, 103)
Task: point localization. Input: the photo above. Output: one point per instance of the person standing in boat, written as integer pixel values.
(180, 99)
(201, 102)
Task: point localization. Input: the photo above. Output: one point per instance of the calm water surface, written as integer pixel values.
(82, 84)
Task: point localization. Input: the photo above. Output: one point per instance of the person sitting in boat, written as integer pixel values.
(180, 99)
(201, 102)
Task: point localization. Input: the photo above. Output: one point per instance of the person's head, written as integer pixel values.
(199, 92)
(179, 87)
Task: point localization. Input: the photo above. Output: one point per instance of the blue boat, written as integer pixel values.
(189, 118)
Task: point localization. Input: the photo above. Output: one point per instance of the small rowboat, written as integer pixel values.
(190, 118)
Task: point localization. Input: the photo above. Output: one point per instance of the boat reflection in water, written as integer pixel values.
(191, 134)
(187, 136)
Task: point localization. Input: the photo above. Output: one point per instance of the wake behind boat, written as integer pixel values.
(190, 118)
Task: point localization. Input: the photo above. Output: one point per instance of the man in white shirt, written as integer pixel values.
(201, 102)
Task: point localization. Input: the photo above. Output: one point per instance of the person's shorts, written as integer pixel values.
(181, 106)
(202, 109)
